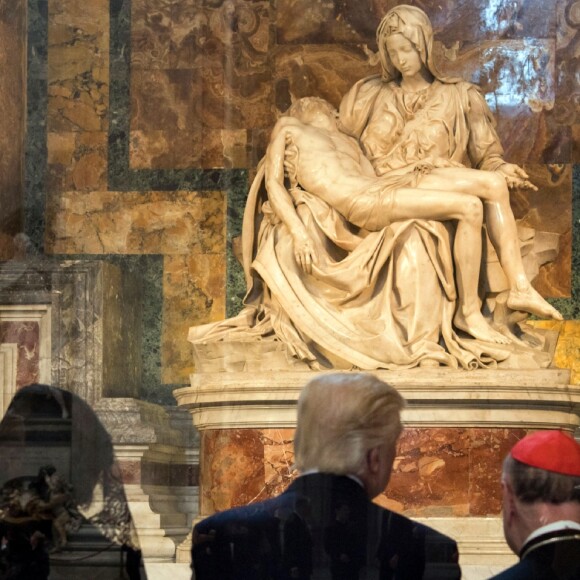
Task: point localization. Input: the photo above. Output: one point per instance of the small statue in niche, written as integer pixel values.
(44, 505)
(65, 515)
(381, 291)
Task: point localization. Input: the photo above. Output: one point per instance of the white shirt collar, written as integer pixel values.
(553, 527)
(350, 476)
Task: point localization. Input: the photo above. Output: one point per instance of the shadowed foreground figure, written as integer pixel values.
(325, 525)
(45, 427)
(541, 507)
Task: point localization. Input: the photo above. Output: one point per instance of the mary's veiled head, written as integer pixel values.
(414, 25)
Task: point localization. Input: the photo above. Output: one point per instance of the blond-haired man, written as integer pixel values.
(325, 524)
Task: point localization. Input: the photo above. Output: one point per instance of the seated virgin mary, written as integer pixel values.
(385, 294)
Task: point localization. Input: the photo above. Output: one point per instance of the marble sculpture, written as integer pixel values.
(363, 229)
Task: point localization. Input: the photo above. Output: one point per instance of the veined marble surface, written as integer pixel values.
(143, 102)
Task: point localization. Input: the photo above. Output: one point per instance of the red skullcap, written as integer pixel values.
(549, 450)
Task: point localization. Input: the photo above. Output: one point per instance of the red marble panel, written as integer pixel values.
(130, 471)
(26, 335)
(437, 471)
(450, 472)
(429, 475)
(279, 468)
(488, 449)
(232, 468)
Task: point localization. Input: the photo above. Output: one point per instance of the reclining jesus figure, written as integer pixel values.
(307, 145)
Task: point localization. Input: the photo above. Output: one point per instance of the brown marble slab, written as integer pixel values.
(78, 66)
(450, 472)
(12, 121)
(77, 161)
(109, 222)
(438, 472)
(193, 290)
(232, 468)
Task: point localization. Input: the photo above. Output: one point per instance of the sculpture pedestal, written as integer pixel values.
(458, 428)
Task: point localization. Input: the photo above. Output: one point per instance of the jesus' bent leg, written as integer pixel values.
(492, 189)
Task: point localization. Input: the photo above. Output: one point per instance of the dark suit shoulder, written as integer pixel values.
(253, 514)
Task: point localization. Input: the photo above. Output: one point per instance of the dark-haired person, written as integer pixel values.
(541, 507)
(47, 430)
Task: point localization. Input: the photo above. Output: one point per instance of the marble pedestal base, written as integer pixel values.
(458, 428)
(155, 448)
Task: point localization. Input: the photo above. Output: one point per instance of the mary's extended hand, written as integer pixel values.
(304, 251)
(515, 176)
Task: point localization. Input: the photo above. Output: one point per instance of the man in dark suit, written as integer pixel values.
(541, 507)
(347, 430)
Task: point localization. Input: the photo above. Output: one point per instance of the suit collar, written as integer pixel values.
(338, 483)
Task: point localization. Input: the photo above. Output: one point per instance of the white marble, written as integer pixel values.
(482, 572)
(436, 398)
(162, 571)
(480, 540)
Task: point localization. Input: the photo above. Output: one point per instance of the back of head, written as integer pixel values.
(545, 467)
(302, 108)
(341, 416)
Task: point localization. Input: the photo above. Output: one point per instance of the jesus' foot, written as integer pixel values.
(528, 300)
(476, 325)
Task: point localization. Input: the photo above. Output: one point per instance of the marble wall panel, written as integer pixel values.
(26, 336)
(77, 161)
(323, 71)
(89, 317)
(450, 472)
(150, 34)
(154, 473)
(130, 471)
(430, 472)
(550, 210)
(193, 290)
(567, 353)
(240, 466)
(109, 222)
(12, 121)
(488, 449)
(199, 72)
(321, 22)
(78, 66)
(279, 469)
(566, 108)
